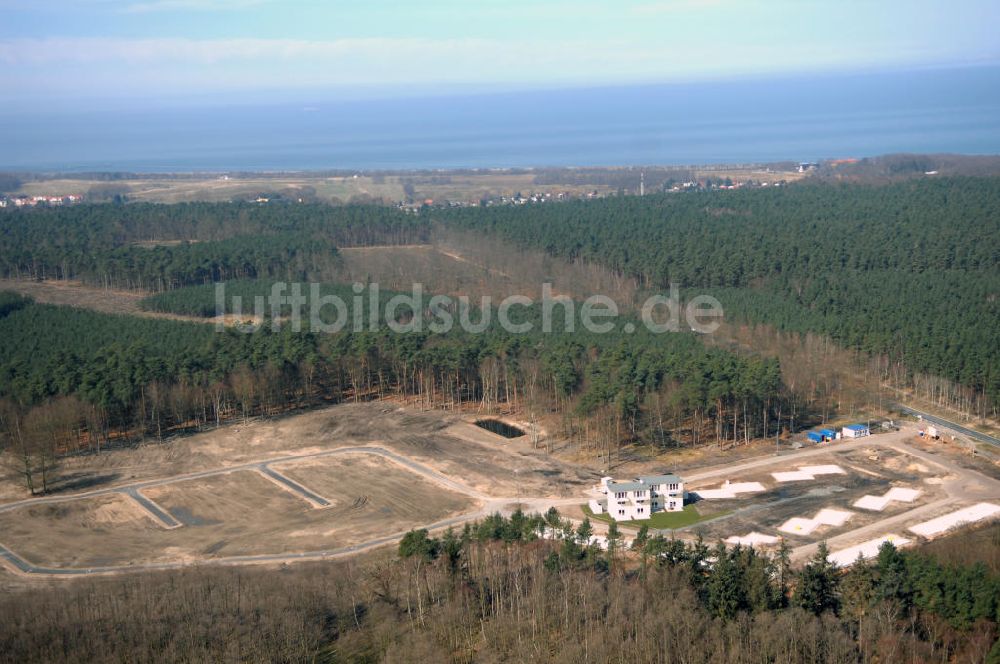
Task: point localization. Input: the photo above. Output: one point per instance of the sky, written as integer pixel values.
(161, 50)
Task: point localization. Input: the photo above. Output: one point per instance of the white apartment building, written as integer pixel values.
(638, 499)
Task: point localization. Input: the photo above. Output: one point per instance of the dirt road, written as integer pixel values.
(488, 505)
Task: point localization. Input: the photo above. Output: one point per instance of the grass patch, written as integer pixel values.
(660, 520)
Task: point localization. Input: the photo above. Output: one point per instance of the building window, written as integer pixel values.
(621, 512)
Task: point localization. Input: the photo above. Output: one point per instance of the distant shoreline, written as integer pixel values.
(952, 163)
(413, 189)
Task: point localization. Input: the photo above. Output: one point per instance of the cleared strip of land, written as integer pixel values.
(154, 510)
(942, 524)
(311, 497)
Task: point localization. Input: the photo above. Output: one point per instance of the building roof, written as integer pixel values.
(626, 486)
(659, 479)
(827, 432)
(856, 427)
(643, 482)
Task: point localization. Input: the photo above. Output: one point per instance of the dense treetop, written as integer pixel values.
(72, 378)
(910, 269)
(733, 238)
(159, 247)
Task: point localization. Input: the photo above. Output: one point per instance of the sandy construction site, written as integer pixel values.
(354, 477)
(325, 483)
(851, 495)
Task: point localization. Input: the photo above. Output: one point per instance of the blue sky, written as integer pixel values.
(177, 49)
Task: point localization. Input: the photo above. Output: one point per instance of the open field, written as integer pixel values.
(442, 441)
(398, 268)
(231, 514)
(89, 532)
(456, 263)
(340, 188)
(464, 186)
(75, 294)
(372, 492)
(105, 300)
(214, 188)
(251, 492)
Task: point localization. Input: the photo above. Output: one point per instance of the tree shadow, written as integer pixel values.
(82, 481)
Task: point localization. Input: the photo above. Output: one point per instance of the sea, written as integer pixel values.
(748, 120)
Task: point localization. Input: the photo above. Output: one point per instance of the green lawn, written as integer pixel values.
(660, 520)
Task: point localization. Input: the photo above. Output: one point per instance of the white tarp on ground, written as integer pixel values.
(874, 503)
(879, 503)
(799, 525)
(823, 470)
(744, 487)
(829, 517)
(808, 473)
(825, 517)
(867, 550)
(944, 523)
(902, 494)
(792, 476)
(753, 539)
(713, 494)
(728, 490)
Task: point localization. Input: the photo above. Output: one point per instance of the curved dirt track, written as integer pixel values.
(406, 462)
(24, 567)
(489, 504)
